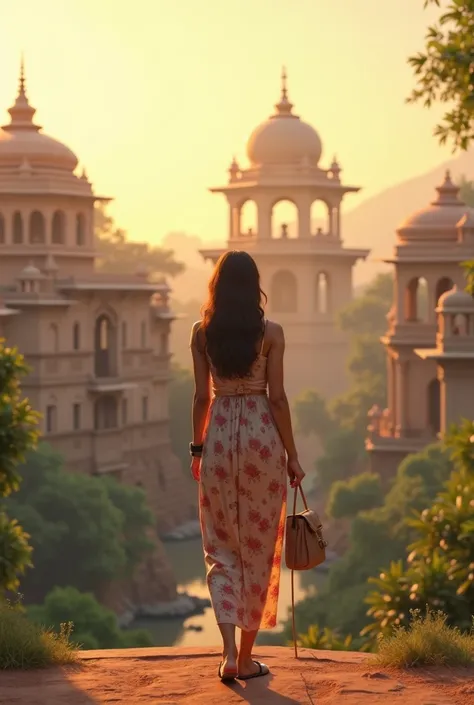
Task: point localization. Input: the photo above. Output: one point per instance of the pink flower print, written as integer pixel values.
(221, 534)
(227, 606)
(253, 544)
(220, 420)
(220, 472)
(226, 403)
(263, 598)
(240, 614)
(204, 501)
(214, 491)
(229, 454)
(251, 404)
(254, 516)
(210, 549)
(218, 448)
(247, 565)
(227, 589)
(266, 419)
(265, 453)
(255, 589)
(274, 487)
(252, 471)
(218, 566)
(256, 615)
(220, 516)
(243, 421)
(264, 526)
(254, 444)
(273, 514)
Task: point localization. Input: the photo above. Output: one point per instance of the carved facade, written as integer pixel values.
(305, 270)
(430, 340)
(97, 344)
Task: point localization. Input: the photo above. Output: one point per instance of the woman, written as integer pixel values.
(242, 450)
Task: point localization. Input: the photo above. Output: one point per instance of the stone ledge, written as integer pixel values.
(171, 676)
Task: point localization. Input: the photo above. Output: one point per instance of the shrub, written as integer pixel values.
(360, 493)
(428, 641)
(24, 644)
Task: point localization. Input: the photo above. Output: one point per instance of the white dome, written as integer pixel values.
(22, 141)
(456, 300)
(439, 220)
(284, 138)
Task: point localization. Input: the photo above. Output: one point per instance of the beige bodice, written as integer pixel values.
(254, 383)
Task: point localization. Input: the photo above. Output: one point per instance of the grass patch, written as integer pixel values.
(428, 641)
(24, 644)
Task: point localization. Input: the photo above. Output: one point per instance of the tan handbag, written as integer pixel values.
(305, 546)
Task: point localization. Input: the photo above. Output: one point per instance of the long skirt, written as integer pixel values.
(243, 487)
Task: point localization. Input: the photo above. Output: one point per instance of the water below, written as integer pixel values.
(188, 563)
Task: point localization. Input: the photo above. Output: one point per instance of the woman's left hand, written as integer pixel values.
(196, 468)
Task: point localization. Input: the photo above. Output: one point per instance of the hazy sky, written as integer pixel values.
(155, 96)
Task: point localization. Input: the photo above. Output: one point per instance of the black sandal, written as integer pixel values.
(263, 670)
(227, 676)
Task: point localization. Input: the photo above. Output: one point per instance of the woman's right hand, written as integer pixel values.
(295, 472)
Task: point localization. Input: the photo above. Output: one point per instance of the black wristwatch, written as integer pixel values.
(195, 450)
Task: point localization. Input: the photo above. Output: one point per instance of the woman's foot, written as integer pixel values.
(228, 667)
(248, 668)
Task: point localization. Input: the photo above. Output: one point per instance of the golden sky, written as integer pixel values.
(155, 96)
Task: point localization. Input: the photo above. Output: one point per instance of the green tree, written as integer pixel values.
(367, 313)
(438, 574)
(360, 493)
(119, 255)
(180, 399)
(95, 626)
(311, 414)
(85, 530)
(445, 71)
(18, 435)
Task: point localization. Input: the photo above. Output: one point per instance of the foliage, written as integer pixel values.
(18, 434)
(24, 644)
(360, 493)
(444, 71)
(440, 567)
(428, 641)
(95, 626)
(342, 456)
(316, 638)
(85, 530)
(119, 255)
(180, 399)
(311, 414)
(366, 314)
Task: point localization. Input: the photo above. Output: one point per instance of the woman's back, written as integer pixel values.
(253, 383)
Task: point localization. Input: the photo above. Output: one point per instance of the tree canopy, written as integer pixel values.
(444, 71)
(18, 435)
(119, 255)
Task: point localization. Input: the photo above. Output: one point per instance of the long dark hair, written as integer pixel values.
(233, 317)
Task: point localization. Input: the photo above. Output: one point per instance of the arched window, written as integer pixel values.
(460, 324)
(284, 220)
(104, 347)
(105, 413)
(416, 300)
(54, 337)
(37, 228)
(322, 293)
(248, 219)
(434, 406)
(58, 233)
(51, 418)
(80, 230)
(284, 292)
(76, 336)
(442, 286)
(320, 219)
(2, 230)
(17, 228)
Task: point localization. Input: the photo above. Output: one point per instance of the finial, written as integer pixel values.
(21, 112)
(22, 81)
(284, 90)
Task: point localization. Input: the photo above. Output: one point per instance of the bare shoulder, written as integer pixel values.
(275, 333)
(197, 334)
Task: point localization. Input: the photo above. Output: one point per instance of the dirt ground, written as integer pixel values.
(171, 676)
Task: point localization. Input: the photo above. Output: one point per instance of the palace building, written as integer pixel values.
(305, 269)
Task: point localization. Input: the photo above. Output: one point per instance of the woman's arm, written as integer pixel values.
(202, 397)
(276, 391)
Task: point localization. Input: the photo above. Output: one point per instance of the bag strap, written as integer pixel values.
(293, 623)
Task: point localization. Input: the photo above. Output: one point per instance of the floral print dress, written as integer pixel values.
(243, 502)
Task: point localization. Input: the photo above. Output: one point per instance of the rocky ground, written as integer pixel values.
(171, 676)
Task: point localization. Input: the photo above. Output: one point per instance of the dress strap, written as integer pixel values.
(263, 336)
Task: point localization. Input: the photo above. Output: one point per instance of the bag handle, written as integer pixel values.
(293, 624)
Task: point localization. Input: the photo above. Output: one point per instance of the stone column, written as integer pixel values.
(402, 376)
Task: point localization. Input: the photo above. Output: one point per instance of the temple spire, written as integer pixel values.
(21, 112)
(284, 107)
